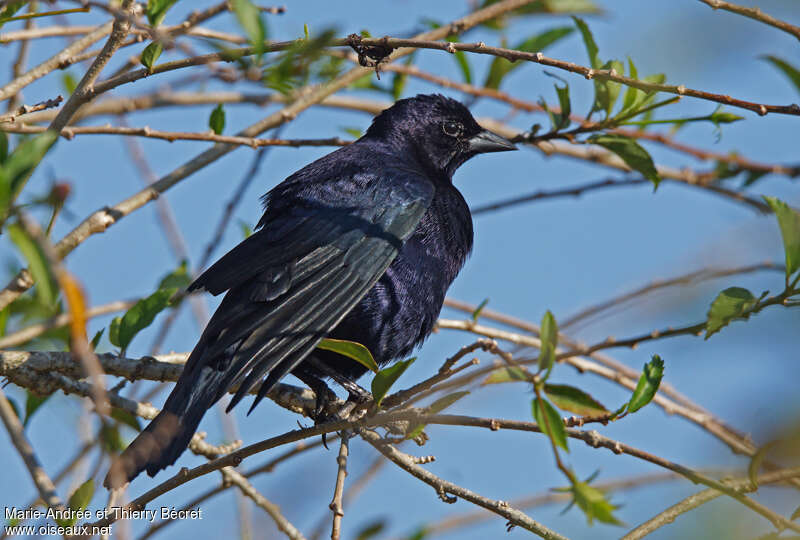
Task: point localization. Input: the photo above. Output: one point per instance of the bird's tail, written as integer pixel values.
(166, 437)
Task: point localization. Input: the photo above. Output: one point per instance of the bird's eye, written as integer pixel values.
(452, 128)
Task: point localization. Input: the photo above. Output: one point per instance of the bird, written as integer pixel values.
(359, 245)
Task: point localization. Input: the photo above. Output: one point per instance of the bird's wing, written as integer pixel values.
(291, 282)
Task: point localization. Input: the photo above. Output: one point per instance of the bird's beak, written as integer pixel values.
(486, 141)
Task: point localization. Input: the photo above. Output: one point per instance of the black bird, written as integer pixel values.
(360, 245)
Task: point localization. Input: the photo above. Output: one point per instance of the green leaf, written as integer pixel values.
(594, 504)
(113, 331)
(5, 313)
(10, 9)
(630, 92)
(124, 417)
(3, 147)
(500, 67)
(789, 70)
(216, 121)
(562, 120)
(96, 339)
(46, 288)
(420, 534)
(588, 41)
(177, 279)
(246, 229)
(386, 377)
(477, 312)
(81, 498)
(719, 117)
(548, 335)
(249, 17)
(631, 152)
(506, 374)
(139, 317)
(110, 438)
(157, 9)
(635, 99)
(150, 54)
(607, 97)
(32, 402)
(796, 514)
(444, 402)
(730, 304)
(398, 82)
(19, 165)
(354, 132)
(789, 222)
(574, 400)
(550, 422)
(350, 349)
(648, 384)
(69, 82)
(371, 530)
(463, 64)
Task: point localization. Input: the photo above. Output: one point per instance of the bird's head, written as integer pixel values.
(440, 131)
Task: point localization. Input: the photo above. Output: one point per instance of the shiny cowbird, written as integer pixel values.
(360, 245)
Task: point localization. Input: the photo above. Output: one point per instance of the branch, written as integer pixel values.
(10, 118)
(755, 14)
(171, 136)
(103, 219)
(336, 505)
(83, 92)
(231, 476)
(593, 154)
(45, 486)
(696, 276)
(575, 191)
(55, 62)
(589, 73)
(694, 501)
(443, 488)
(529, 106)
(35, 330)
(467, 519)
(595, 440)
(45, 372)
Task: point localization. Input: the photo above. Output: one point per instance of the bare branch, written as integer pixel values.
(171, 136)
(755, 14)
(336, 506)
(698, 499)
(47, 490)
(55, 62)
(443, 488)
(231, 476)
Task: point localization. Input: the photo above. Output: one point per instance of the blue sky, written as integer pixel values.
(561, 255)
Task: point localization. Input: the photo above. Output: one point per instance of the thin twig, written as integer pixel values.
(698, 499)
(696, 276)
(35, 330)
(83, 91)
(448, 491)
(337, 506)
(231, 476)
(171, 136)
(755, 14)
(55, 62)
(100, 221)
(45, 486)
